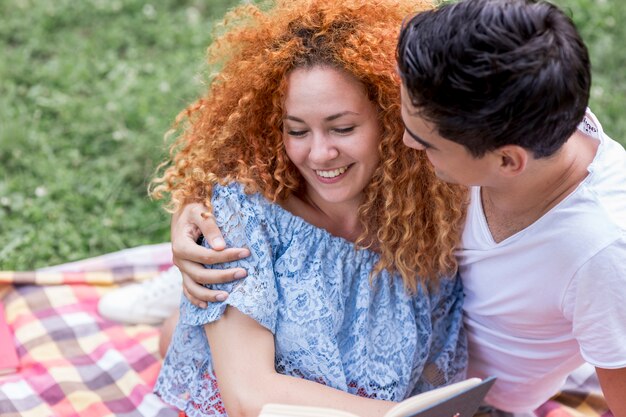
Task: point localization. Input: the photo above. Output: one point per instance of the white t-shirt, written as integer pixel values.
(543, 301)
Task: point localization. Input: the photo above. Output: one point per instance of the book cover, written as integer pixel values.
(9, 362)
(462, 404)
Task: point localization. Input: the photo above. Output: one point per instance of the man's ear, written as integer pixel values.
(513, 159)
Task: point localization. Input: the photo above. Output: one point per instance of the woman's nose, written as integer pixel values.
(323, 149)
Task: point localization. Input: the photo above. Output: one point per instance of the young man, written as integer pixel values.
(495, 92)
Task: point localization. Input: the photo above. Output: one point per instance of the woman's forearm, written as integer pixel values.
(243, 360)
(292, 390)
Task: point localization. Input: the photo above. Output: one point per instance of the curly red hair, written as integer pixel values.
(234, 132)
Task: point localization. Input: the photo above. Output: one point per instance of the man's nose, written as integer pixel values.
(411, 143)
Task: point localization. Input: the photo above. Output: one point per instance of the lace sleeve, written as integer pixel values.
(447, 360)
(242, 220)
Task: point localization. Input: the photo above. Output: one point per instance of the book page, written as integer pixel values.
(417, 402)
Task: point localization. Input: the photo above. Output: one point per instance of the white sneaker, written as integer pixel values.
(148, 302)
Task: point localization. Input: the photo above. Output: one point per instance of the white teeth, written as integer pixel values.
(331, 174)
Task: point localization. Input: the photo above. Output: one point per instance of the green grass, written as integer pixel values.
(88, 89)
(601, 23)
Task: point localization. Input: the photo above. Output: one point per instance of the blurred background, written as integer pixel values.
(88, 89)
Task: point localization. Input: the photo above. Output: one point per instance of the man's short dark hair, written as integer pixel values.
(489, 73)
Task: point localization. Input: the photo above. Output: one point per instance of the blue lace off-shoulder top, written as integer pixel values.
(331, 323)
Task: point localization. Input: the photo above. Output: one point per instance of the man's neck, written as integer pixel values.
(517, 203)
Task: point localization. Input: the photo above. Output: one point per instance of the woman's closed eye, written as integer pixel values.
(344, 130)
(296, 133)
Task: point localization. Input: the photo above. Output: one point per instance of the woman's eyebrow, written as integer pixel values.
(328, 119)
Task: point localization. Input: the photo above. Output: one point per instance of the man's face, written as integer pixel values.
(452, 162)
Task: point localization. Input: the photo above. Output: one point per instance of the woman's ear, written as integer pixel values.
(513, 159)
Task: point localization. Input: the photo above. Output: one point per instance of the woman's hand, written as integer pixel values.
(188, 225)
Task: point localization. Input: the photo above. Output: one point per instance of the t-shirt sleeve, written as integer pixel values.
(595, 302)
(447, 358)
(242, 220)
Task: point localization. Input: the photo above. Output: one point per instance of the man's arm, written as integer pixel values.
(188, 224)
(243, 358)
(613, 383)
(600, 326)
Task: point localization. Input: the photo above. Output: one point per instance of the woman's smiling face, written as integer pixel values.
(331, 133)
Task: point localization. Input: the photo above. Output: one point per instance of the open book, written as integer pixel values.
(460, 399)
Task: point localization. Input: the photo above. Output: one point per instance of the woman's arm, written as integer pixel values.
(243, 359)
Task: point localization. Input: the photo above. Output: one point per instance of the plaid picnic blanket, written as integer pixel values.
(74, 363)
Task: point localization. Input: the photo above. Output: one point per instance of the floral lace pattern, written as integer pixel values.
(330, 324)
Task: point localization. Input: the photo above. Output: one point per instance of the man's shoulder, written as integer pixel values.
(606, 184)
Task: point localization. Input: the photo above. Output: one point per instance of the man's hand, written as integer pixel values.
(188, 224)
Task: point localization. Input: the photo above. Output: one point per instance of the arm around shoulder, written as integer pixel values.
(190, 223)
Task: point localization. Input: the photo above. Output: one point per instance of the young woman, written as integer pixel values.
(350, 300)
